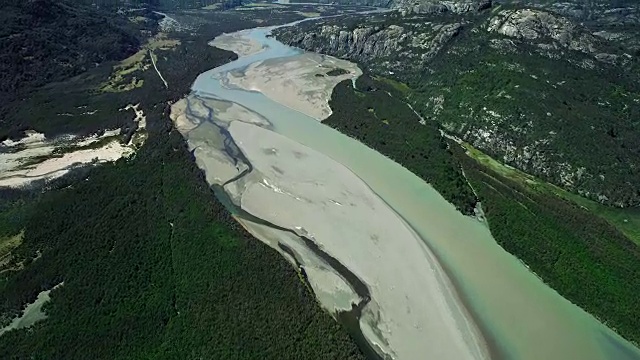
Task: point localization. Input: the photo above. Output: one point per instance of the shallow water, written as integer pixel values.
(521, 316)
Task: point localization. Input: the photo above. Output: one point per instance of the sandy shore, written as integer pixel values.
(36, 158)
(237, 42)
(305, 190)
(299, 82)
(414, 311)
(331, 289)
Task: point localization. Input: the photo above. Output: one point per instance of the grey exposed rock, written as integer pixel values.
(528, 24)
(439, 7)
(376, 43)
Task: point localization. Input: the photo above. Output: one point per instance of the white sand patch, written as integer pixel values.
(32, 313)
(140, 119)
(298, 82)
(414, 311)
(205, 139)
(36, 158)
(218, 166)
(14, 159)
(181, 121)
(30, 137)
(237, 42)
(58, 166)
(331, 289)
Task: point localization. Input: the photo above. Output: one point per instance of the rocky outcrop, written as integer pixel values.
(535, 89)
(388, 48)
(537, 25)
(553, 34)
(602, 12)
(441, 7)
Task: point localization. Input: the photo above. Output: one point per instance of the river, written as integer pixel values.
(519, 315)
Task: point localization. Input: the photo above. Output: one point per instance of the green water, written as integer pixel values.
(521, 316)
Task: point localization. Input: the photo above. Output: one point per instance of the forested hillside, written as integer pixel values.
(385, 123)
(154, 267)
(150, 264)
(536, 90)
(578, 254)
(49, 40)
(161, 4)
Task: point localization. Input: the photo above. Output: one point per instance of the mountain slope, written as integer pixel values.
(47, 40)
(529, 87)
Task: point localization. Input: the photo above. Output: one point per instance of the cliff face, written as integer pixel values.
(385, 47)
(535, 89)
(440, 7)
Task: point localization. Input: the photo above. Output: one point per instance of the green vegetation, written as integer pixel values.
(45, 40)
(153, 265)
(555, 118)
(564, 110)
(337, 72)
(627, 220)
(157, 268)
(578, 253)
(400, 87)
(381, 121)
(7, 244)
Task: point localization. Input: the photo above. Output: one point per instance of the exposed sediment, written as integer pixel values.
(301, 82)
(411, 308)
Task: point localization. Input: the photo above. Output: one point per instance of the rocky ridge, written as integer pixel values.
(440, 7)
(387, 47)
(531, 87)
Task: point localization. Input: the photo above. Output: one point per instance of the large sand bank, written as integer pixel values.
(237, 42)
(299, 82)
(414, 311)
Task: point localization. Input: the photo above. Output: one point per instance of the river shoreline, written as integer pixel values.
(387, 332)
(265, 185)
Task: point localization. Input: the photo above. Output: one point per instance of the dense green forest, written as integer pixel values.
(381, 121)
(49, 40)
(153, 265)
(47, 109)
(578, 254)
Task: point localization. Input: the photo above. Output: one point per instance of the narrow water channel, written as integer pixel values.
(521, 316)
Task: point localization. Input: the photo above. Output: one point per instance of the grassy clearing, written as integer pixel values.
(308, 14)
(121, 81)
(212, 7)
(137, 19)
(264, 5)
(397, 85)
(626, 220)
(7, 244)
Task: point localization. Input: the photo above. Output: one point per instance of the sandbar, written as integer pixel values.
(237, 42)
(299, 82)
(413, 312)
